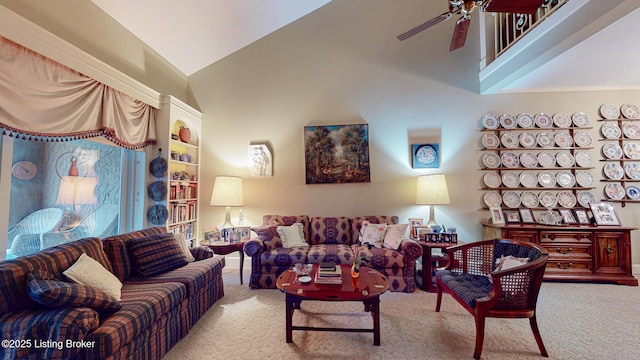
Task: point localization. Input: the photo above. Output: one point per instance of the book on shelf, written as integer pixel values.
(330, 280)
(335, 272)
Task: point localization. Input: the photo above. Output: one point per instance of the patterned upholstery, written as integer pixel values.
(116, 249)
(331, 239)
(156, 254)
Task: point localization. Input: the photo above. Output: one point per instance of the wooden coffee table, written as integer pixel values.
(366, 288)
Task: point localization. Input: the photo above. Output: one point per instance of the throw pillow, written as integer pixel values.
(374, 234)
(46, 290)
(394, 235)
(87, 271)
(292, 236)
(156, 254)
(180, 238)
(508, 262)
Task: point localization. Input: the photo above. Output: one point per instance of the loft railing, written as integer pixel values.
(509, 28)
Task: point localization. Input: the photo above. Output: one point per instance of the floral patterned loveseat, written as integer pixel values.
(329, 239)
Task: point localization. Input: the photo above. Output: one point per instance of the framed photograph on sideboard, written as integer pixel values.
(604, 214)
(526, 215)
(496, 215)
(511, 216)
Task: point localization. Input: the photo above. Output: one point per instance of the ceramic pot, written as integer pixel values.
(184, 134)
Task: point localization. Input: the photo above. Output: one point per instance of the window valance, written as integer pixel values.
(43, 100)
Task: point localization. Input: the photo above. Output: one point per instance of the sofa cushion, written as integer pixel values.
(338, 253)
(156, 254)
(87, 271)
(182, 241)
(382, 258)
(394, 235)
(330, 230)
(275, 220)
(269, 236)
(292, 235)
(118, 252)
(284, 257)
(46, 290)
(468, 287)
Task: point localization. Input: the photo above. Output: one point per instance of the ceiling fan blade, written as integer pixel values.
(514, 7)
(460, 33)
(436, 20)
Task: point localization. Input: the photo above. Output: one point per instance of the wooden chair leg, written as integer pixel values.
(439, 299)
(479, 336)
(536, 334)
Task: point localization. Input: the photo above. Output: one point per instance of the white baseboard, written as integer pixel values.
(635, 269)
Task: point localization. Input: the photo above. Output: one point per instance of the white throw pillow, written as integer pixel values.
(374, 234)
(394, 235)
(508, 262)
(292, 236)
(87, 271)
(180, 238)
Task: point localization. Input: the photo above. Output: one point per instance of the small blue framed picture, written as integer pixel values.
(426, 156)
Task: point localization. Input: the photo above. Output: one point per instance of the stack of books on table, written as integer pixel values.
(328, 273)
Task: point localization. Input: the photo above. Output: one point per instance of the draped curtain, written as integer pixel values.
(43, 100)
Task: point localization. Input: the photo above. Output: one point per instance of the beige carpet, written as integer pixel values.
(577, 321)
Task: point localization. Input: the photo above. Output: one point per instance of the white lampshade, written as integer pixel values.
(432, 190)
(227, 191)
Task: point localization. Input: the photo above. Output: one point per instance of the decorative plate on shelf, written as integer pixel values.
(511, 199)
(630, 111)
(582, 139)
(510, 160)
(584, 178)
(631, 130)
(510, 179)
(609, 111)
(610, 131)
(614, 191)
(585, 198)
(529, 199)
(525, 120)
(492, 198)
(546, 179)
(612, 151)
(545, 139)
(527, 140)
(565, 179)
(561, 120)
(491, 160)
(546, 160)
(633, 192)
(547, 199)
(509, 140)
(632, 150)
(490, 141)
(613, 171)
(565, 159)
(508, 121)
(527, 179)
(543, 120)
(492, 179)
(566, 199)
(580, 119)
(563, 139)
(528, 159)
(584, 159)
(632, 170)
(490, 121)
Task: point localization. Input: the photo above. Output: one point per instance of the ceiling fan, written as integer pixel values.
(465, 8)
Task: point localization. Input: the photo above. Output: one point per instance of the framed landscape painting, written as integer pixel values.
(336, 154)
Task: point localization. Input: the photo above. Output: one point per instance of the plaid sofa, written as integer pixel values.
(155, 313)
(330, 239)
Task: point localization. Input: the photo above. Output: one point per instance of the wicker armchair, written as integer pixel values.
(100, 222)
(470, 277)
(26, 235)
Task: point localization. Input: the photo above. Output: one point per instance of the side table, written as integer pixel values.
(427, 263)
(225, 248)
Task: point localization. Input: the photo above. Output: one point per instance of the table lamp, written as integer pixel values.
(227, 192)
(432, 190)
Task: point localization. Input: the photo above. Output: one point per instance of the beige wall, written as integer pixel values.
(335, 66)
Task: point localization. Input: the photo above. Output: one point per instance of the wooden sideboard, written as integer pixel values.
(576, 253)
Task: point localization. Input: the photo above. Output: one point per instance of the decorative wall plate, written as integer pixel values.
(609, 111)
(510, 179)
(565, 179)
(492, 198)
(509, 140)
(158, 167)
(584, 178)
(612, 151)
(613, 171)
(490, 121)
(633, 192)
(632, 170)
(157, 214)
(525, 120)
(527, 179)
(546, 179)
(510, 160)
(543, 120)
(566, 199)
(580, 119)
(632, 150)
(528, 159)
(511, 199)
(529, 199)
(491, 160)
(565, 159)
(630, 111)
(614, 191)
(545, 139)
(610, 130)
(561, 120)
(157, 190)
(490, 141)
(631, 130)
(527, 140)
(508, 121)
(563, 139)
(585, 198)
(583, 159)
(546, 160)
(582, 138)
(547, 199)
(492, 179)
